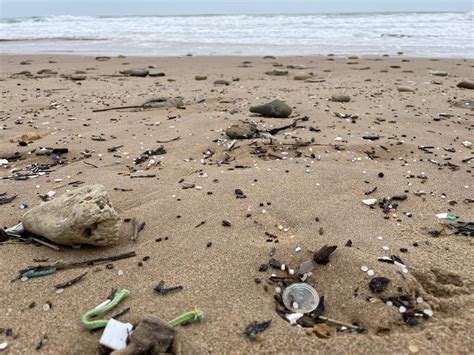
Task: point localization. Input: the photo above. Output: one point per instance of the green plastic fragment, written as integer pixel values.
(192, 316)
(38, 273)
(87, 323)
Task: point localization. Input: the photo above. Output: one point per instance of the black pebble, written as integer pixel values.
(263, 267)
(378, 284)
(381, 175)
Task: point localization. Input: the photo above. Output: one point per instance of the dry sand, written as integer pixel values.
(219, 279)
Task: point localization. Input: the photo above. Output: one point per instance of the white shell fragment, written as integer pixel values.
(369, 201)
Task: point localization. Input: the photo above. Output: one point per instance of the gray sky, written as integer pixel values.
(17, 8)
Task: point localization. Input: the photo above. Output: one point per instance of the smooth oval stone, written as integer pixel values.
(222, 82)
(157, 75)
(277, 72)
(438, 73)
(163, 102)
(275, 109)
(200, 77)
(302, 76)
(466, 84)
(136, 72)
(241, 131)
(340, 98)
(77, 77)
(81, 216)
(405, 88)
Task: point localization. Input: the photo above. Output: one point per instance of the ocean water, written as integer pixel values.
(415, 34)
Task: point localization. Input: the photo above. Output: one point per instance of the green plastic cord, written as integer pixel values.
(87, 323)
(193, 316)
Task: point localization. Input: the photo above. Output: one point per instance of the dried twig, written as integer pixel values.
(70, 282)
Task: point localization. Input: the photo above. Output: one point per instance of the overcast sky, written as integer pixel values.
(16, 8)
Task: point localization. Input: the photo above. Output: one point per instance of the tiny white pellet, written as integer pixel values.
(402, 309)
(295, 305)
(364, 268)
(371, 272)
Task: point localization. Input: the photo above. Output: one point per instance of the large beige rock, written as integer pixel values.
(81, 216)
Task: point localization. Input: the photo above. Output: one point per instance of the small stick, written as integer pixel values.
(70, 282)
(342, 324)
(86, 263)
(46, 244)
(116, 108)
(170, 140)
(90, 164)
(134, 229)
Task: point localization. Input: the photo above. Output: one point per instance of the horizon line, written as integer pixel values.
(248, 14)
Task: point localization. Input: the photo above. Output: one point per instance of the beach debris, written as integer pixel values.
(200, 77)
(321, 256)
(438, 73)
(149, 153)
(81, 216)
(160, 288)
(302, 76)
(255, 328)
(102, 58)
(69, 283)
(241, 131)
(369, 201)
(77, 77)
(340, 98)
(324, 331)
(446, 216)
(464, 228)
(378, 284)
(136, 72)
(277, 72)
(164, 102)
(222, 82)
(388, 205)
(239, 193)
(300, 298)
(104, 307)
(275, 109)
(4, 199)
(151, 336)
(3, 345)
(405, 88)
(44, 270)
(155, 103)
(26, 137)
(466, 84)
(467, 104)
(115, 334)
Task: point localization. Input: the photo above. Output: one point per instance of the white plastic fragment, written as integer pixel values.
(402, 309)
(293, 317)
(371, 272)
(46, 307)
(442, 215)
(364, 268)
(115, 334)
(3, 345)
(428, 312)
(3, 162)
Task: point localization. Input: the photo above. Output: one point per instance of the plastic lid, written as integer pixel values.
(301, 298)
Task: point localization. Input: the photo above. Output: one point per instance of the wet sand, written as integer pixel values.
(306, 195)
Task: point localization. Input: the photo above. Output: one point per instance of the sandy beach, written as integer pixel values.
(304, 189)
